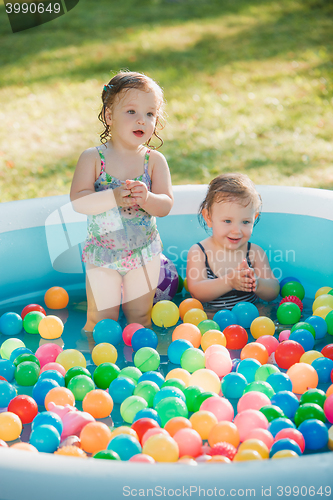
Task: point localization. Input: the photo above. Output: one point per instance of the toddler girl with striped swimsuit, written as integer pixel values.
(226, 268)
(122, 185)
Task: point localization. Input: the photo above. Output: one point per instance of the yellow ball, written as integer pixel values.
(162, 448)
(285, 454)
(10, 426)
(181, 374)
(50, 327)
(194, 316)
(310, 356)
(185, 284)
(206, 379)
(213, 337)
(104, 353)
(71, 357)
(256, 445)
(323, 290)
(330, 438)
(203, 421)
(246, 455)
(322, 311)
(262, 326)
(165, 313)
(123, 429)
(323, 300)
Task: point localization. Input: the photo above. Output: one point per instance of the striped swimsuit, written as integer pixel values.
(229, 299)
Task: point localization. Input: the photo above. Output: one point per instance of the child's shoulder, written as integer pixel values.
(196, 249)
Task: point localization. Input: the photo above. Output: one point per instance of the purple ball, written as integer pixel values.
(167, 282)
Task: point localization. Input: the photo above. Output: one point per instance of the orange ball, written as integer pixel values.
(181, 374)
(71, 451)
(24, 447)
(10, 426)
(50, 327)
(188, 304)
(329, 391)
(224, 431)
(194, 316)
(303, 377)
(213, 337)
(203, 421)
(187, 331)
(95, 437)
(256, 351)
(98, 403)
(56, 298)
(59, 396)
(175, 424)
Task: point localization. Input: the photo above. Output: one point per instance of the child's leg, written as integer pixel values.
(103, 294)
(139, 286)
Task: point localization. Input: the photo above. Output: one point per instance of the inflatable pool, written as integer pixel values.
(41, 242)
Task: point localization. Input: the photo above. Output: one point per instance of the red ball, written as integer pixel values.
(3, 378)
(142, 425)
(32, 307)
(24, 407)
(236, 336)
(291, 434)
(327, 351)
(288, 353)
(294, 299)
(223, 448)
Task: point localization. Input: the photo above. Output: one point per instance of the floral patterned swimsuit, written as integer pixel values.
(123, 238)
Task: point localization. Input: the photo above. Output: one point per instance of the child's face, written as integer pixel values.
(133, 117)
(231, 222)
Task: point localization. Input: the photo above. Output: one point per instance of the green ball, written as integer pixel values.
(329, 322)
(293, 288)
(171, 407)
(9, 346)
(131, 406)
(147, 359)
(192, 359)
(302, 325)
(260, 386)
(27, 373)
(146, 390)
(180, 284)
(107, 455)
(208, 324)
(264, 371)
(191, 394)
(288, 313)
(26, 357)
(104, 374)
(201, 398)
(31, 321)
(132, 373)
(313, 396)
(80, 385)
(272, 412)
(76, 370)
(309, 411)
(174, 382)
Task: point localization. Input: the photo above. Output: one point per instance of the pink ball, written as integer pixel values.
(151, 432)
(218, 363)
(253, 400)
(142, 457)
(48, 353)
(220, 407)
(189, 442)
(284, 335)
(292, 434)
(129, 331)
(264, 435)
(54, 366)
(328, 408)
(248, 420)
(269, 342)
(212, 349)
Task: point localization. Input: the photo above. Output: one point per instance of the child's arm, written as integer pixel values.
(83, 196)
(157, 202)
(205, 289)
(266, 285)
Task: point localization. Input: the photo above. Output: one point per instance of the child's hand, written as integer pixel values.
(139, 191)
(242, 278)
(123, 197)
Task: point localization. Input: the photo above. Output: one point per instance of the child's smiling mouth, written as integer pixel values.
(234, 240)
(138, 133)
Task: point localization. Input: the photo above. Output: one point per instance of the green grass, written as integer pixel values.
(248, 85)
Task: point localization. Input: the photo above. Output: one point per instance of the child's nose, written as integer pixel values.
(140, 118)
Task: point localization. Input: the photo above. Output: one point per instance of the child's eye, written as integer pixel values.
(131, 111)
(227, 221)
(246, 222)
(150, 114)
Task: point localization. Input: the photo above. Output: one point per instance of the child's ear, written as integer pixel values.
(205, 215)
(108, 116)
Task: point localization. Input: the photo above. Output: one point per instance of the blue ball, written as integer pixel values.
(7, 369)
(285, 444)
(48, 418)
(323, 367)
(315, 434)
(176, 349)
(18, 351)
(245, 313)
(303, 337)
(126, 446)
(168, 392)
(121, 388)
(7, 393)
(109, 331)
(45, 438)
(233, 385)
(41, 388)
(11, 324)
(225, 318)
(280, 382)
(148, 413)
(153, 376)
(144, 337)
(287, 401)
(53, 375)
(280, 423)
(319, 324)
(248, 368)
(286, 280)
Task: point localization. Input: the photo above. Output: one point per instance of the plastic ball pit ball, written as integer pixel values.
(125, 446)
(167, 392)
(303, 377)
(323, 312)
(26, 373)
(264, 435)
(323, 300)
(32, 307)
(294, 434)
(192, 359)
(176, 423)
(121, 388)
(233, 385)
(219, 363)
(309, 356)
(147, 359)
(220, 407)
(59, 396)
(187, 331)
(161, 448)
(26, 357)
(45, 438)
(8, 346)
(309, 411)
(252, 400)
(326, 351)
(171, 407)
(248, 420)
(188, 304)
(224, 432)
(130, 407)
(285, 444)
(189, 442)
(54, 366)
(10, 426)
(316, 396)
(260, 386)
(146, 390)
(75, 370)
(50, 327)
(264, 371)
(142, 458)
(279, 382)
(255, 351)
(236, 336)
(48, 353)
(194, 316)
(245, 313)
(56, 298)
(31, 322)
(328, 408)
(329, 322)
(288, 353)
(80, 385)
(323, 290)
(104, 353)
(7, 370)
(294, 299)
(176, 349)
(208, 324)
(41, 388)
(70, 358)
(213, 337)
(70, 451)
(269, 342)
(131, 372)
(324, 368)
(11, 324)
(288, 313)
(304, 325)
(95, 437)
(128, 332)
(293, 288)
(143, 425)
(248, 368)
(203, 421)
(165, 314)
(144, 337)
(104, 374)
(107, 331)
(206, 379)
(262, 326)
(24, 447)
(315, 434)
(256, 445)
(303, 337)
